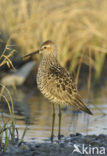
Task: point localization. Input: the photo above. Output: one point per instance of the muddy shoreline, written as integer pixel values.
(89, 144)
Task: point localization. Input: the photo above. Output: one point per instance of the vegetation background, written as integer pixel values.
(78, 27)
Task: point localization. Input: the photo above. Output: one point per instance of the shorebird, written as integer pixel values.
(56, 83)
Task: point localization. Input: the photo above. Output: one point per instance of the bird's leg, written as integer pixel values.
(59, 131)
(53, 122)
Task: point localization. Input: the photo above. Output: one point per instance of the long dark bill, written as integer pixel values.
(31, 54)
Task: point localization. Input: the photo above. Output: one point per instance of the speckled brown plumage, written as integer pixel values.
(55, 82)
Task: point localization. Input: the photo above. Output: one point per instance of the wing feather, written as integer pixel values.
(63, 89)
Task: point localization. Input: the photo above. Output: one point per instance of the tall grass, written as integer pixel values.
(8, 130)
(79, 28)
(7, 133)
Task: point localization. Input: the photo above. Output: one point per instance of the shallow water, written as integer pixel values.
(35, 111)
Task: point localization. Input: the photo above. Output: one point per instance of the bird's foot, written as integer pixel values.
(52, 137)
(60, 136)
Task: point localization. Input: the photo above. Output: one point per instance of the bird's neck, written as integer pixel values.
(47, 61)
(50, 58)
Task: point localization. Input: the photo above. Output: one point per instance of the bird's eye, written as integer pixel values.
(45, 47)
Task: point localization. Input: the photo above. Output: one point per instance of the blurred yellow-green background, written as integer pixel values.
(79, 28)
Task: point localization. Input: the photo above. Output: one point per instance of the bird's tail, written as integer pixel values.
(77, 101)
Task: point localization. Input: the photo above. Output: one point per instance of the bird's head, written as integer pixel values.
(48, 47)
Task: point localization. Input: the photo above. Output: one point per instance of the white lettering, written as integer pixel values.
(84, 149)
(88, 149)
(102, 150)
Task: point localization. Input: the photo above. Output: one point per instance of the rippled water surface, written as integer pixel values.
(35, 111)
